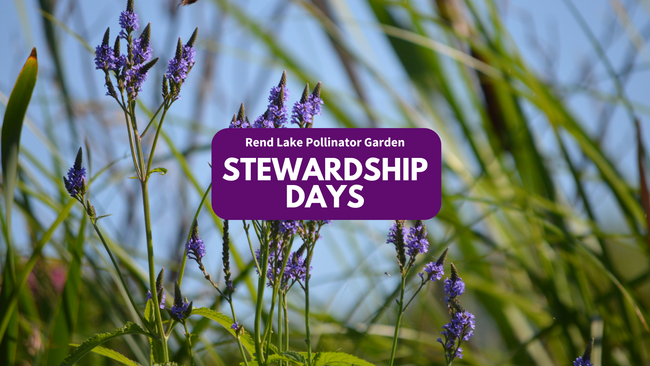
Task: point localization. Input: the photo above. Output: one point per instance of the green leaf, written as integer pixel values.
(160, 170)
(96, 340)
(12, 126)
(114, 355)
(166, 364)
(226, 322)
(338, 359)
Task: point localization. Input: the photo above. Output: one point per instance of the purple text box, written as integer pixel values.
(399, 176)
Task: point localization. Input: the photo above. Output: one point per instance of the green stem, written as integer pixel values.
(119, 272)
(147, 221)
(307, 326)
(261, 284)
(152, 270)
(153, 118)
(189, 344)
(234, 318)
(155, 141)
(399, 321)
(280, 327)
(286, 322)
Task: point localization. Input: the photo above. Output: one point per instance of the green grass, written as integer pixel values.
(546, 266)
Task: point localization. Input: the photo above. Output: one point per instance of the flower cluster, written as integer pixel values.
(276, 116)
(128, 20)
(181, 309)
(416, 240)
(160, 290)
(434, 270)
(585, 360)
(461, 327)
(276, 112)
(75, 182)
(131, 69)
(195, 246)
(180, 65)
(307, 107)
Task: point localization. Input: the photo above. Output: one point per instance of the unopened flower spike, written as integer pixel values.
(165, 87)
(192, 39)
(585, 360)
(75, 182)
(181, 309)
(240, 120)
(160, 290)
(225, 256)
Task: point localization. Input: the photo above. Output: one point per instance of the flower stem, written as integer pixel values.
(189, 344)
(400, 311)
(119, 272)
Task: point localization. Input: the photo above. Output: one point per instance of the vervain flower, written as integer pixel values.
(75, 182)
(195, 246)
(160, 290)
(585, 360)
(307, 107)
(181, 64)
(396, 235)
(128, 20)
(240, 120)
(225, 256)
(461, 327)
(235, 326)
(434, 270)
(104, 56)
(416, 240)
(181, 309)
(276, 113)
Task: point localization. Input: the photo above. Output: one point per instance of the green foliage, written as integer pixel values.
(12, 126)
(98, 339)
(226, 322)
(114, 355)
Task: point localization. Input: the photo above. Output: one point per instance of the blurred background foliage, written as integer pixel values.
(544, 170)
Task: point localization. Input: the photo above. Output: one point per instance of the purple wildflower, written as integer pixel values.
(581, 362)
(162, 301)
(416, 240)
(392, 234)
(238, 123)
(128, 22)
(75, 182)
(454, 287)
(141, 51)
(289, 225)
(179, 310)
(296, 269)
(105, 58)
(195, 247)
(307, 107)
(585, 360)
(433, 272)
(178, 67)
(235, 326)
(461, 328)
(276, 113)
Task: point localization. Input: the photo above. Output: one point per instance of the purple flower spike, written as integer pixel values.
(105, 58)
(195, 246)
(289, 225)
(581, 362)
(433, 272)
(276, 113)
(75, 181)
(416, 240)
(306, 108)
(179, 310)
(128, 22)
(235, 326)
(585, 360)
(162, 302)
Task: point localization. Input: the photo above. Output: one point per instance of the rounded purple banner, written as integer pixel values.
(326, 174)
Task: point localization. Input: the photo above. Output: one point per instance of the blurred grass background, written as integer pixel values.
(542, 110)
